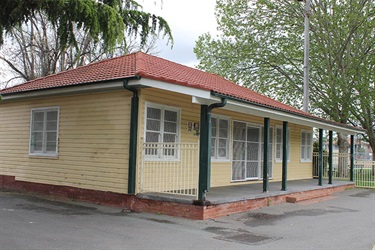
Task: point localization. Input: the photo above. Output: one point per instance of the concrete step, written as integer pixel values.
(315, 200)
(296, 198)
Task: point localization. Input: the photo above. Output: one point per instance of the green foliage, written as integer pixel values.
(261, 46)
(105, 20)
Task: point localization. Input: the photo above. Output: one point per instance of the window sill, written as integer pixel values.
(220, 160)
(42, 156)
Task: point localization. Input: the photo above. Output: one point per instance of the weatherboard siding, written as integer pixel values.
(93, 142)
(188, 112)
(221, 170)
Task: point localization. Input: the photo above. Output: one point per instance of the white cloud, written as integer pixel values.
(188, 20)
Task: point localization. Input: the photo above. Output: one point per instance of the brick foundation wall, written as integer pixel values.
(132, 202)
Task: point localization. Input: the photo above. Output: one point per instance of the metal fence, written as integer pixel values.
(170, 168)
(340, 165)
(363, 170)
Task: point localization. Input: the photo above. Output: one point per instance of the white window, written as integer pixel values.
(44, 131)
(219, 138)
(162, 130)
(306, 146)
(279, 144)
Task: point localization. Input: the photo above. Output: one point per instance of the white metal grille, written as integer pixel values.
(176, 173)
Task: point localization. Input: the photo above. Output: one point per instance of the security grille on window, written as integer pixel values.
(44, 131)
(219, 138)
(306, 145)
(161, 131)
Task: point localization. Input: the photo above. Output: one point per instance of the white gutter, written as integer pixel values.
(247, 108)
(173, 87)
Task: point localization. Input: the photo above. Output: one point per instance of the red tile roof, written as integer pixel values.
(151, 67)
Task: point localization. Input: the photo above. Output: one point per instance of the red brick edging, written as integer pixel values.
(134, 203)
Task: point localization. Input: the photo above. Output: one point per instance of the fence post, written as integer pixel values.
(351, 157)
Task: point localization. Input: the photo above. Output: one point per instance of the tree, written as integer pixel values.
(45, 37)
(32, 50)
(261, 47)
(104, 20)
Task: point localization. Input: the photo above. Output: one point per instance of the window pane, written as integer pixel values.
(252, 151)
(303, 152)
(253, 134)
(252, 169)
(303, 137)
(213, 146)
(170, 127)
(51, 136)
(213, 127)
(152, 137)
(153, 125)
(308, 152)
(223, 133)
(223, 124)
(169, 138)
(279, 135)
(51, 125)
(170, 116)
(278, 151)
(38, 116)
(153, 113)
(36, 146)
(52, 116)
(239, 150)
(38, 126)
(38, 136)
(51, 146)
(222, 152)
(308, 138)
(222, 143)
(238, 170)
(239, 131)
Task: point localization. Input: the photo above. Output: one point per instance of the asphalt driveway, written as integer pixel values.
(347, 221)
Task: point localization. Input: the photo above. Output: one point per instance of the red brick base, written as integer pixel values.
(132, 202)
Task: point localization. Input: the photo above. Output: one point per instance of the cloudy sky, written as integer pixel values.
(188, 20)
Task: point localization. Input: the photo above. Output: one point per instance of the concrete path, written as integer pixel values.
(347, 221)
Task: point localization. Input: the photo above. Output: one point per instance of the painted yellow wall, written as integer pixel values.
(93, 142)
(188, 112)
(94, 137)
(221, 170)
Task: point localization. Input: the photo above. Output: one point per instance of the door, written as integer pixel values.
(247, 160)
(246, 151)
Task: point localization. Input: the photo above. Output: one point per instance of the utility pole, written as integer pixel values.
(306, 56)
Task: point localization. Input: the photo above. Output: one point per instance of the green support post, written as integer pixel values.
(352, 142)
(285, 157)
(204, 153)
(133, 136)
(205, 149)
(330, 157)
(320, 182)
(265, 153)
